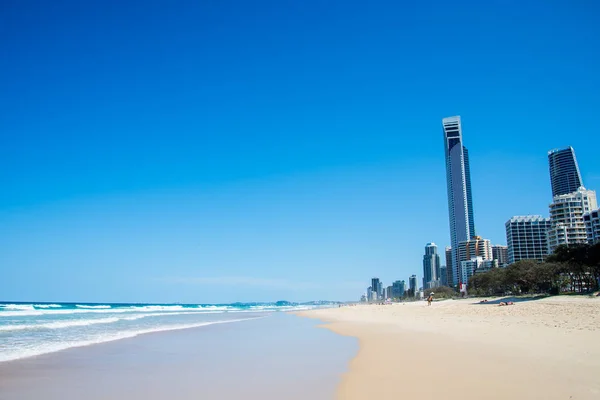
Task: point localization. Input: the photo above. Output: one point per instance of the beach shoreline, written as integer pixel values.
(274, 357)
(546, 348)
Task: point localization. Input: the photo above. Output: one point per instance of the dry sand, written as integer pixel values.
(459, 349)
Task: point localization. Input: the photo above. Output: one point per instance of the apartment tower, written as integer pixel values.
(566, 215)
(500, 253)
(526, 238)
(460, 200)
(564, 172)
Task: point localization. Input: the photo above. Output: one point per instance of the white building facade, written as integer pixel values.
(566, 217)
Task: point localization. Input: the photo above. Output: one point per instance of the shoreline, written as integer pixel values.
(277, 357)
(546, 348)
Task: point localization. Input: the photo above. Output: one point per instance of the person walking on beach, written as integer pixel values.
(429, 299)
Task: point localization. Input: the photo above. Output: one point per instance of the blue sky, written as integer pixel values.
(214, 151)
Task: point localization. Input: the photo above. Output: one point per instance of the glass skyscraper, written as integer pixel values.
(449, 276)
(412, 285)
(460, 200)
(564, 171)
(431, 267)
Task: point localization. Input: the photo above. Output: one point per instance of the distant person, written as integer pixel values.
(429, 299)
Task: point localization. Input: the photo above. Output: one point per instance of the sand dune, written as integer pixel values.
(460, 349)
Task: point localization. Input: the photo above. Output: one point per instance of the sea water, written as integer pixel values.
(273, 357)
(30, 329)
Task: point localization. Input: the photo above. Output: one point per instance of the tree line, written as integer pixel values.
(574, 269)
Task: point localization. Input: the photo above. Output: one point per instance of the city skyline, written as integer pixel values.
(192, 154)
(573, 220)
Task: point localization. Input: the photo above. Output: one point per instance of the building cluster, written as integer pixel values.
(398, 289)
(573, 213)
(574, 218)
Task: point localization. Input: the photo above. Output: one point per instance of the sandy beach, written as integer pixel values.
(461, 349)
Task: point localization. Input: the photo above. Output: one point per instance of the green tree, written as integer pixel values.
(580, 263)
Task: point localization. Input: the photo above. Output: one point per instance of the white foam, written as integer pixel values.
(151, 309)
(24, 307)
(47, 306)
(216, 308)
(59, 324)
(86, 322)
(91, 307)
(44, 348)
(19, 310)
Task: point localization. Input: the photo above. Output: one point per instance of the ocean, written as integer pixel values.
(32, 329)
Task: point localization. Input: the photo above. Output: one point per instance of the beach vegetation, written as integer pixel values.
(442, 292)
(573, 269)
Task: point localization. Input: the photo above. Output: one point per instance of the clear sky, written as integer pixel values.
(219, 151)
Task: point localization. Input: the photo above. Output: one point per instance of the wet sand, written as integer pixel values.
(278, 357)
(539, 349)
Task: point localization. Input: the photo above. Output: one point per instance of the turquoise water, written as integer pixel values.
(30, 329)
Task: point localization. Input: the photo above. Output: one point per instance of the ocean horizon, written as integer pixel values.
(30, 329)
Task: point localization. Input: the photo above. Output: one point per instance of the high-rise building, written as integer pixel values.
(592, 226)
(376, 288)
(458, 180)
(398, 288)
(500, 253)
(566, 216)
(389, 292)
(449, 276)
(564, 171)
(443, 276)
(412, 285)
(526, 238)
(431, 267)
(470, 267)
(475, 247)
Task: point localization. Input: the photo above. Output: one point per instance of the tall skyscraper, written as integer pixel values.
(412, 285)
(566, 217)
(564, 171)
(377, 288)
(458, 180)
(449, 276)
(431, 267)
(526, 238)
